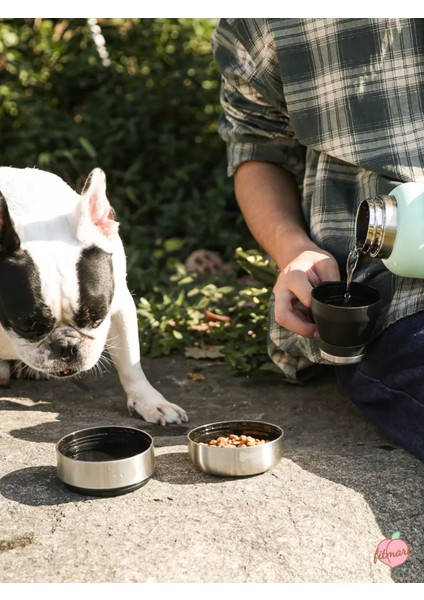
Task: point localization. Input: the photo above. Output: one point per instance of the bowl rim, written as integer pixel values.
(104, 462)
(279, 429)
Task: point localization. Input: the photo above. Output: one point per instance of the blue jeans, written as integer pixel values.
(388, 384)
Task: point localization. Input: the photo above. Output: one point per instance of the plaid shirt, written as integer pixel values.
(340, 104)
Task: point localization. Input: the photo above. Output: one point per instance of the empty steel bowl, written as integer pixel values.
(105, 461)
(235, 462)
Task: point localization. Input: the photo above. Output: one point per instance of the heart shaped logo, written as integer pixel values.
(392, 552)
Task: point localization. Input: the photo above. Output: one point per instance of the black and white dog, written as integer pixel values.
(63, 290)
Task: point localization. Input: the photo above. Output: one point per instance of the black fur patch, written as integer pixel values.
(96, 287)
(9, 239)
(21, 304)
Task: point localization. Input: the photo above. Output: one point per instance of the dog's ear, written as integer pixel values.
(9, 239)
(95, 208)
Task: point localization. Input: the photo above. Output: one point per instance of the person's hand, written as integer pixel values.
(293, 289)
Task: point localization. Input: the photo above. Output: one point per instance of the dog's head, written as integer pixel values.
(57, 279)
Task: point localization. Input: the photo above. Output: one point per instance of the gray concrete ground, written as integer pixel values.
(318, 516)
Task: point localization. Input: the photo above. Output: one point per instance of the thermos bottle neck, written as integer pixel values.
(376, 226)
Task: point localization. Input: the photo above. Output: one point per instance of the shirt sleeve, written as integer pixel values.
(254, 122)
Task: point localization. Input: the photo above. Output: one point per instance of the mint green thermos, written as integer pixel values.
(392, 228)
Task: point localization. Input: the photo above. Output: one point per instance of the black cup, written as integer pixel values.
(345, 328)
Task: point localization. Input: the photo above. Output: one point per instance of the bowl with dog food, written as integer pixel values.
(105, 461)
(235, 448)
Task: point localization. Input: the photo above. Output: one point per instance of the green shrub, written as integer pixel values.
(148, 119)
(224, 317)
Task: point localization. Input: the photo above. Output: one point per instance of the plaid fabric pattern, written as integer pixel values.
(340, 104)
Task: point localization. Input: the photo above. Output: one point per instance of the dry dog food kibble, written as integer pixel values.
(235, 441)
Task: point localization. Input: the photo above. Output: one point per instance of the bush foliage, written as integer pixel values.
(142, 104)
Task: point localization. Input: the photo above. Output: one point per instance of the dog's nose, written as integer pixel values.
(64, 344)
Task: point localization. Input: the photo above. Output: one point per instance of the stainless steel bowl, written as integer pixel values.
(105, 461)
(235, 462)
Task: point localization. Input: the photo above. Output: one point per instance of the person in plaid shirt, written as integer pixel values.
(318, 115)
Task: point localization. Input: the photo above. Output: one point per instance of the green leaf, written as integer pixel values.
(88, 147)
(173, 244)
(262, 269)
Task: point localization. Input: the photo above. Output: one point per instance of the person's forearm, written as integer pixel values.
(270, 202)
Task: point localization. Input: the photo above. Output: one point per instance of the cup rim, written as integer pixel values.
(355, 284)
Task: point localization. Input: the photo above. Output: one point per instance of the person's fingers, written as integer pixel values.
(293, 289)
(292, 315)
(327, 269)
(296, 282)
(307, 271)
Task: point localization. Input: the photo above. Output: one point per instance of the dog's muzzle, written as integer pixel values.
(64, 344)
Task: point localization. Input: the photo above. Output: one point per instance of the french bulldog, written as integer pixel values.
(64, 297)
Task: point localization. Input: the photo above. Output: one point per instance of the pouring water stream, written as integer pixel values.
(352, 261)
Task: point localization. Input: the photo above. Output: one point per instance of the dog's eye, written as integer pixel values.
(30, 329)
(87, 319)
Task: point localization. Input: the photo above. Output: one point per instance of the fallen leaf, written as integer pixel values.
(211, 316)
(196, 376)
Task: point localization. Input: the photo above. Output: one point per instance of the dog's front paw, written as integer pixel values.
(153, 408)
